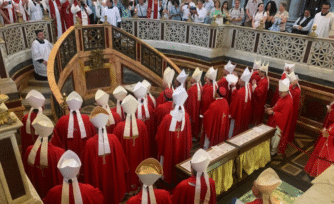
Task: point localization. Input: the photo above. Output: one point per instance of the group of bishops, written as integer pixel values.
(142, 138)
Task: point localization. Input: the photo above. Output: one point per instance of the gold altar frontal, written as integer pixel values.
(245, 152)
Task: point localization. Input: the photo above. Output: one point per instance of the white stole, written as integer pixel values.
(71, 125)
(41, 141)
(198, 188)
(177, 115)
(144, 197)
(130, 120)
(65, 197)
(145, 104)
(104, 147)
(28, 123)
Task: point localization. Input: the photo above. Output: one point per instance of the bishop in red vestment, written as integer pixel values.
(74, 129)
(280, 118)
(81, 10)
(223, 82)
(28, 136)
(149, 171)
(119, 93)
(241, 104)
(40, 160)
(55, 13)
(329, 120)
(174, 136)
(165, 108)
(288, 68)
(168, 79)
(133, 135)
(295, 93)
(71, 191)
(199, 188)
(259, 95)
(104, 163)
(216, 121)
(68, 16)
(209, 89)
(193, 102)
(150, 99)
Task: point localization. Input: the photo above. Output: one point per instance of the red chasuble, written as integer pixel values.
(154, 8)
(282, 118)
(184, 192)
(324, 150)
(161, 111)
(255, 76)
(174, 146)
(161, 196)
(68, 16)
(259, 98)
(161, 99)
(207, 97)
(295, 92)
(136, 150)
(28, 139)
(329, 119)
(224, 83)
(115, 110)
(192, 106)
(117, 119)
(216, 122)
(150, 101)
(150, 122)
(54, 16)
(89, 194)
(76, 144)
(5, 10)
(240, 111)
(106, 172)
(276, 94)
(44, 178)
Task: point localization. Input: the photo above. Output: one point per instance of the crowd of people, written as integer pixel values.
(254, 14)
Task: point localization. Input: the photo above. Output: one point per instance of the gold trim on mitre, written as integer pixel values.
(149, 166)
(97, 110)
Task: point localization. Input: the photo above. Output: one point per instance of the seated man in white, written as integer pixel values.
(40, 50)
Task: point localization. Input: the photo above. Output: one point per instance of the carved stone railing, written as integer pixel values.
(18, 37)
(314, 56)
(70, 59)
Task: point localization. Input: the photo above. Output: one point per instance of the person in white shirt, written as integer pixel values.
(112, 13)
(141, 9)
(237, 14)
(8, 10)
(260, 14)
(303, 24)
(35, 10)
(22, 6)
(208, 5)
(200, 13)
(324, 21)
(40, 50)
(185, 9)
(82, 11)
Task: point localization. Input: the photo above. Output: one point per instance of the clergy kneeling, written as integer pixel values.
(264, 186)
(71, 191)
(40, 160)
(104, 164)
(74, 129)
(28, 135)
(174, 136)
(216, 121)
(149, 171)
(280, 118)
(199, 188)
(133, 135)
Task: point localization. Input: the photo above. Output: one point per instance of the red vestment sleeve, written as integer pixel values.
(161, 196)
(259, 98)
(28, 139)
(192, 106)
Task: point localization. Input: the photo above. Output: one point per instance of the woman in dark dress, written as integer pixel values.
(271, 10)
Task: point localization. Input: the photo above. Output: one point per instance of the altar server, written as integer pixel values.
(209, 89)
(174, 136)
(259, 95)
(119, 93)
(28, 135)
(40, 51)
(264, 186)
(241, 104)
(71, 191)
(133, 135)
(280, 118)
(112, 13)
(40, 160)
(104, 163)
(150, 99)
(324, 21)
(216, 121)
(74, 129)
(224, 82)
(145, 113)
(102, 99)
(193, 102)
(81, 10)
(35, 10)
(295, 92)
(149, 171)
(199, 188)
(55, 11)
(167, 81)
(165, 108)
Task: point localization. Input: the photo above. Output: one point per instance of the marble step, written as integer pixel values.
(34, 82)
